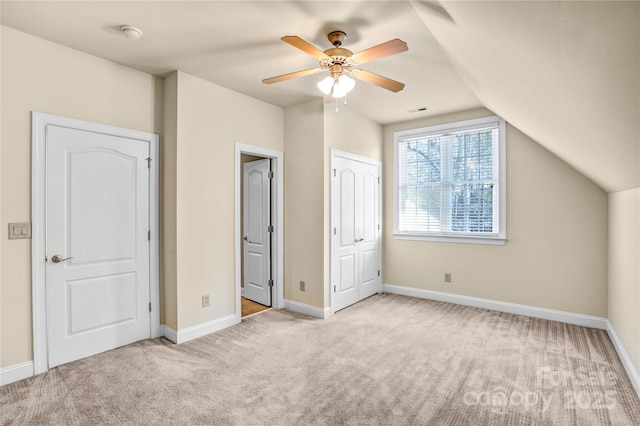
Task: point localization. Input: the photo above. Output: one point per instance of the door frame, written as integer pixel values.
(265, 212)
(277, 212)
(39, 123)
(337, 153)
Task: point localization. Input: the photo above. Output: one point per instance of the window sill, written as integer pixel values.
(497, 241)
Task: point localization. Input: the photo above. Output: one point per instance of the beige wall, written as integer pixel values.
(168, 203)
(311, 130)
(304, 203)
(210, 120)
(624, 269)
(38, 75)
(556, 253)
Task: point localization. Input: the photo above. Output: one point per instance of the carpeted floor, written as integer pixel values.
(387, 360)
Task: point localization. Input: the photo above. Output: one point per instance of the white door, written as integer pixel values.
(367, 210)
(257, 231)
(97, 248)
(355, 254)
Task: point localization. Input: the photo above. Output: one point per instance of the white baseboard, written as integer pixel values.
(632, 372)
(169, 333)
(303, 308)
(16, 372)
(494, 305)
(199, 330)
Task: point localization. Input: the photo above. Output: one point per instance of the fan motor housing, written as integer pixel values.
(337, 37)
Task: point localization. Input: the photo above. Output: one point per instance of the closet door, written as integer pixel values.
(367, 230)
(355, 256)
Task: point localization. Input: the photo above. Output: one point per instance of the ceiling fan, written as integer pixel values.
(341, 63)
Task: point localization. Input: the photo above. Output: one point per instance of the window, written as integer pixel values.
(450, 182)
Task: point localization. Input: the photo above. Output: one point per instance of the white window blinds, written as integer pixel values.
(448, 180)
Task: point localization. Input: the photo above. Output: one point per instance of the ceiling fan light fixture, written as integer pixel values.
(341, 63)
(337, 88)
(346, 83)
(326, 85)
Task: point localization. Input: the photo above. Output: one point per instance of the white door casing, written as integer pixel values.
(95, 200)
(355, 253)
(277, 218)
(257, 236)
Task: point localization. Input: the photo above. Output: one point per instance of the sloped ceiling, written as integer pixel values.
(565, 73)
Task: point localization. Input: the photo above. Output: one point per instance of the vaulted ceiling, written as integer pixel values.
(565, 73)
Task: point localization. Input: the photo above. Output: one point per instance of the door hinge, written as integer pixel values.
(378, 227)
(334, 172)
(334, 231)
(270, 174)
(270, 283)
(378, 272)
(378, 179)
(334, 288)
(149, 235)
(270, 228)
(149, 162)
(149, 306)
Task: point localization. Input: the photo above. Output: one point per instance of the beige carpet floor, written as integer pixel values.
(387, 360)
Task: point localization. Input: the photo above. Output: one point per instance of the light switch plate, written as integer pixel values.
(20, 231)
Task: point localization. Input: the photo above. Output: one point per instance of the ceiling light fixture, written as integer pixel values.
(131, 32)
(336, 87)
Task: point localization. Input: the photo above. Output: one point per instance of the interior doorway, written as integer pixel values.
(259, 229)
(256, 231)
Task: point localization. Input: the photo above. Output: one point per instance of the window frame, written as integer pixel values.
(455, 237)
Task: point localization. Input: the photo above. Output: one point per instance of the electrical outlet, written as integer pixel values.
(303, 286)
(447, 277)
(205, 300)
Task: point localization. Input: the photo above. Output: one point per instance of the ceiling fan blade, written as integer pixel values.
(306, 47)
(291, 75)
(378, 80)
(391, 47)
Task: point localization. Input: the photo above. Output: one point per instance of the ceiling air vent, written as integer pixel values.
(419, 109)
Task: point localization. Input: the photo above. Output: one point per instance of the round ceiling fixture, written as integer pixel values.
(131, 32)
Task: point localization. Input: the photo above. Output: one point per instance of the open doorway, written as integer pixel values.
(256, 229)
(259, 230)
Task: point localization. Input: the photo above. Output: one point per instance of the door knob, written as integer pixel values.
(57, 258)
(245, 238)
(359, 239)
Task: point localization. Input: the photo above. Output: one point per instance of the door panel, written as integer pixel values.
(92, 203)
(345, 289)
(257, 242)
(111, 300)
(347, 273)
(369, 246)
(347, 209)
(98, 215)
(370, 211)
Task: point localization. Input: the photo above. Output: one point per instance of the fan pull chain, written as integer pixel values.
(338, 104)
